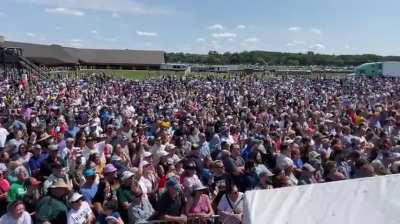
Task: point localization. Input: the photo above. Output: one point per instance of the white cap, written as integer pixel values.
(126, 175)
(75, 197)
(163, 153)
(147, 154)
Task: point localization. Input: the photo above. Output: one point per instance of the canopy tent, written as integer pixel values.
(367, 201)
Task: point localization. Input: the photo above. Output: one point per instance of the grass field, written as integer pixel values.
(129, 74)
(146, 75)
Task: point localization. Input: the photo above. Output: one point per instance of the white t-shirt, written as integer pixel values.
(3, 136)
(81, 215)
(224, 205)
(24, 219)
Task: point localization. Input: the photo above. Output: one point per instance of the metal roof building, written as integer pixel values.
(55, 55)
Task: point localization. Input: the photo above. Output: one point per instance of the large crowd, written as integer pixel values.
(106, 151)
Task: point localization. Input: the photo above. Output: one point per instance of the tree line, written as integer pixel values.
(276, 58)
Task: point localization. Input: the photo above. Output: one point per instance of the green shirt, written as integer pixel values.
(51, 209)
(17, 192)
(124, 194)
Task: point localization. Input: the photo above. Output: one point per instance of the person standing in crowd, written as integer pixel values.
(16, 214)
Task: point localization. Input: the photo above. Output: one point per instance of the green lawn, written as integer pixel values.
(129, 74)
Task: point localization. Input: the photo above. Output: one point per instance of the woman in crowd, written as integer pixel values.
(4, 187)
(230, 207)
(24, 154)
(140, 209)
(199, 204)
(16, 214)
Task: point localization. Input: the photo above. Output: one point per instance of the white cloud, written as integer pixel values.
(64, 11)
(146, 34)
(94, 32)
(295, 29)
(295, 43)
(241, 27)
(200, 39)
(216, 27)
(251, 40)
(31, 34)
(231, 40)
(128, 6)
(148, 44)
(2, 14)
(317, 47)
(316, 31)
(347, 46)
(76, 40)
(224, 35)
(115, 15)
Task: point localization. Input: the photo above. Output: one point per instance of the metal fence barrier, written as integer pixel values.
(212, 220)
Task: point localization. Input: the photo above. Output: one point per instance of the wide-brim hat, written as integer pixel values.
(59, 184)
(199, 187)
(44, 137)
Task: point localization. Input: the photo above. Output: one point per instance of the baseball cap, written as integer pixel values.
(127, 175)
(75, 197)
(147, 154)
(89, 173)
(173, 183)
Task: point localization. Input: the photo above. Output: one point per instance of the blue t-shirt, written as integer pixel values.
(89, 192)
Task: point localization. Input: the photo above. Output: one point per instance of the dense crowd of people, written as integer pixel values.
(100, 150)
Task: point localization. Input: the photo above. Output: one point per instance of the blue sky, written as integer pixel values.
(325, 26)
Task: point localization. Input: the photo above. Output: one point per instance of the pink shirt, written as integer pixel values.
(4, 186)
(201, 206)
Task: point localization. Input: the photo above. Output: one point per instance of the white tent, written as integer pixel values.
(365, 201)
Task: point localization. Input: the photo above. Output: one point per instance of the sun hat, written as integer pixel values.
(109, 168)
(59, 184)
(199, 187)
(44, 136)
